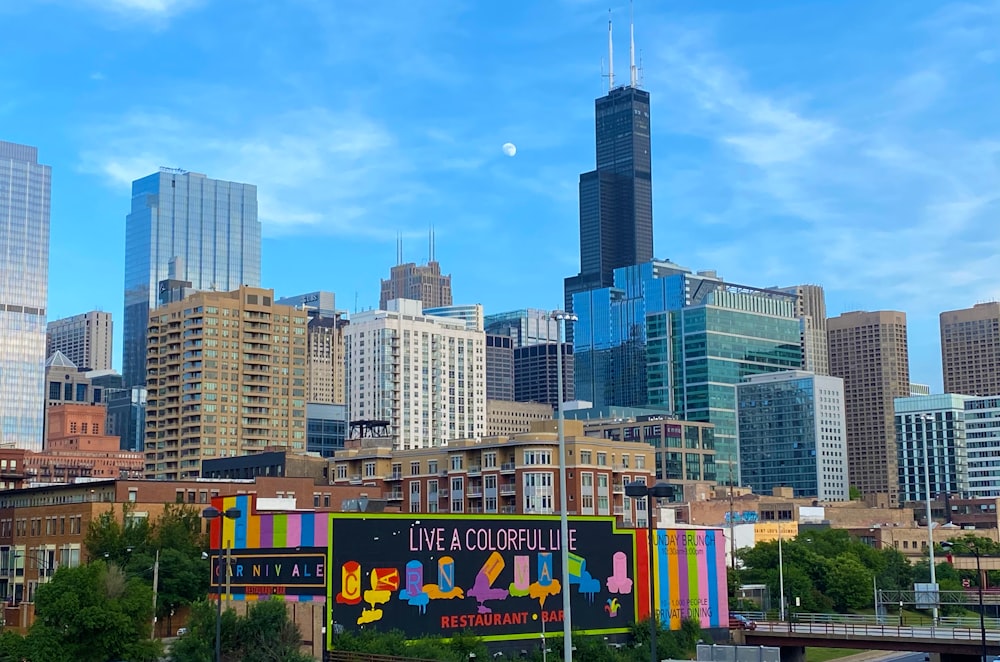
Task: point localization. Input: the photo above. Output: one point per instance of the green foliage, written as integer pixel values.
(854, 494)
(264, 634)
(395, 643)
(90, 614)
(116, 541)
(827, 570)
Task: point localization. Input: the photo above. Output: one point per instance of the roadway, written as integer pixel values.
(918, 639)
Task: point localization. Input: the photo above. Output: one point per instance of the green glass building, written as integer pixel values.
(695, 356)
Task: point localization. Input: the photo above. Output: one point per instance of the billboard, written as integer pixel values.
(278, 572)
(442, 574)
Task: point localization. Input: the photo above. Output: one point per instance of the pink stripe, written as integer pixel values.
(703, 562)
(293, 532)
(722, 591)
(321, 528)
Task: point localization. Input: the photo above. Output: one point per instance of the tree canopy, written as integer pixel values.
(264, 634)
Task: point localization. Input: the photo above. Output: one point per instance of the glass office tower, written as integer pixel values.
(208, 229)
(697, 354)
(24, 278)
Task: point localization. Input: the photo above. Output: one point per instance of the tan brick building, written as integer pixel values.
(504, 418)
(76, 447)
(505, 475)
(226, 375)
(868, 350)
(326, 378)
(970, 350)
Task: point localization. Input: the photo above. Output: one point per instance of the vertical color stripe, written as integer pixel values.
(280, 529)
(309, 529)
(293, 530)
(253, 531)
(321, 534)
(722, 590)
(240, 538)
(706, 590)
(641, 572)
(694, 554)
(267, 532)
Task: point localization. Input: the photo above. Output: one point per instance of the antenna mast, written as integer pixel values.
(631, 46)
(399, 248)
(611, 57)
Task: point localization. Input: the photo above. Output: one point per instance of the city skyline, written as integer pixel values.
(772, 167)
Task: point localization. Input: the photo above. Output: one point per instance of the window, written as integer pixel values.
(341, 471)
(456, 462)
(369, 469)
(640, 461)
(432, 466)
(537, 457)
(585, 457)
(602, 459)
(490, 460)
(537, 493)
(587, 479)
(414, 468)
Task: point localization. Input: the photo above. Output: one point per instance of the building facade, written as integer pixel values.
(535, 339)
(792, 433)
(936, 422)
(326, 427)
(505, 475)
(869, 351)
(127, 416)
(25, 193)
(499, 368)
(699, 352)
(226, 376)
(505, 418)
(424, 375)
(424, 283)
(317, 304)
(84, 339)
(616, 199)
(207, 227)
(810, 308)
(970, 350)
(327, 381)
(982, 432)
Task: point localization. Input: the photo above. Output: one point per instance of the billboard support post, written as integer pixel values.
(562, 317)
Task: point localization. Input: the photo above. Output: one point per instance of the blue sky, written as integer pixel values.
(847, 143)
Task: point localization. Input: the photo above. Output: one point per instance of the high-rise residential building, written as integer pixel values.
(792, 433)
(424, 375)
(810, 308)
(616, 199)
(419, 282)
(937, 423)
(970, 349)
(326, 369)
(699, 351)
(25, 189)
(84, 339)
(499, 368)
(868, 350)
(207, 227)
(535, 337)
(982, 435)
(226, 376)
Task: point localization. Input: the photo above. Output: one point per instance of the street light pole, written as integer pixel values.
(658, 491)
(980, 580)
(211, 513)
(781, 578)
(925, 418)
(561, 318)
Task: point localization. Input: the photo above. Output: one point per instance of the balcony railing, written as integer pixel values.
(508, 489)
(508, 510)
(395, 496)
(508, 467)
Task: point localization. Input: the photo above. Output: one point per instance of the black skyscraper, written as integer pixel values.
(616, 199)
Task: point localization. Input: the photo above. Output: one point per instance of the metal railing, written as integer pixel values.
(885, 631)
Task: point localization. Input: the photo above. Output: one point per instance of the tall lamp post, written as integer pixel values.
(658, 491)
(971, 546)
(211, 513)
(925, 419)
(561, 316)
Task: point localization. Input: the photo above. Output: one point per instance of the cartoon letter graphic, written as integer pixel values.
(350, 584)
(619, 581)
(483, 589)
(522, 576)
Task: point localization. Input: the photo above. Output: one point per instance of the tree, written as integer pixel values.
(849, 583)
(264, 634)
(92, 613)
(854, 494)
(117, 541)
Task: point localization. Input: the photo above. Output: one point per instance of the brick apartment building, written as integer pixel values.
(505, 475)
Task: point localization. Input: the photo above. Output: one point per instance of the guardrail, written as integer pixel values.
(351, 656)
(880, 631)
(890, 619)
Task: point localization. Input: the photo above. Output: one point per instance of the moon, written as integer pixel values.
(510, 149)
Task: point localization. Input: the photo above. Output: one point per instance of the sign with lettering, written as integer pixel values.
(271, 572)
(501, 577)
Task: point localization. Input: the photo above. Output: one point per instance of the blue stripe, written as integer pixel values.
(711, 562)
(309, 528)
(243, 503)
(663, 574)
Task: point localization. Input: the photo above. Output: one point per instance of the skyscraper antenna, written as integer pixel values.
(631, 46)
(611, 56)
(399, 248)
(430, 244)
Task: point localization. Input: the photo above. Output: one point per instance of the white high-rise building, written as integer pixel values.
(84, 339)
(937, 421)
(424, 375)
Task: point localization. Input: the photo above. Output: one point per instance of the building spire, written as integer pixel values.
(611, 57)
(399, 248)
(631, 46)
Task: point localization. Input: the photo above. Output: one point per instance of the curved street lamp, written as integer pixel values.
(971, 546)
(212, 513)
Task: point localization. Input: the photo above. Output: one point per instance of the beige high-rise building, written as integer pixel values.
(424, 375)
(810, 308)
(504, 417)
(970, 350)
(327, 380)
(423, 283)
(226, 375)
(868, 350)
(84, 339)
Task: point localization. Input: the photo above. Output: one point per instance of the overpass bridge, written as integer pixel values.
(953, 643)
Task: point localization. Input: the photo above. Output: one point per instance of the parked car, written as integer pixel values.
(741, 622)
(181, 632)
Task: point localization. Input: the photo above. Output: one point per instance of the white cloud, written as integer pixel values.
(148, 7)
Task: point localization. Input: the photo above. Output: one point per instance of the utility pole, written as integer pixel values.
(156, 583)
